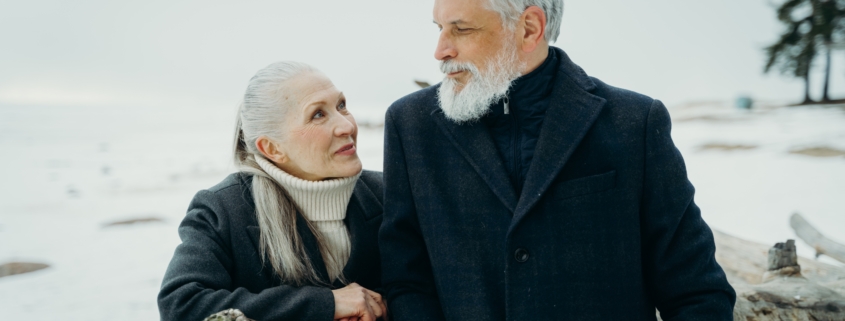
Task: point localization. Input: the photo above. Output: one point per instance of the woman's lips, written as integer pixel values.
(348, 149)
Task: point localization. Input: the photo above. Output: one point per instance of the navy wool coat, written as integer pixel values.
(604, 229)
(218, 267)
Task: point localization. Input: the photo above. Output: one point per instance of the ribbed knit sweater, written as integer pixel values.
(323, 203)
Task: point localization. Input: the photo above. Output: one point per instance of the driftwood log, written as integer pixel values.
(228, 315)
(772, 284)
(746, 261)
(814, 238)
(785, 294)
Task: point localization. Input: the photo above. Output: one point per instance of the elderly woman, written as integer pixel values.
(293, 235)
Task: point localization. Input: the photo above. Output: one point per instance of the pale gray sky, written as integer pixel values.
(201, 53)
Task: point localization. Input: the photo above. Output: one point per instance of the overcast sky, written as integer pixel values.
(131, 54)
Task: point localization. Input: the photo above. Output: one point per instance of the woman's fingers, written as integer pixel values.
(375, 307)
(381, 305)
(356, 303)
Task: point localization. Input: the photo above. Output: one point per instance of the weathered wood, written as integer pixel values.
(788, 298)
(782, 255)
(814, 238)
(783, 261)
(785, 294)
(228, 315)
(746, 261)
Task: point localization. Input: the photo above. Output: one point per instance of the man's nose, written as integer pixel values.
(445, 50)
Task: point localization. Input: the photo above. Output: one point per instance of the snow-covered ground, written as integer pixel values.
(67, 172)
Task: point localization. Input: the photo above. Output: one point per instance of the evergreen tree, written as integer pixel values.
(810, 25)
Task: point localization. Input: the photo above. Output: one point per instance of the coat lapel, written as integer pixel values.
(475, 144)
(363, 207)
(309, 241)
(571, 112)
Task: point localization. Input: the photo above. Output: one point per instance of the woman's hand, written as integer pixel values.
(355, 303)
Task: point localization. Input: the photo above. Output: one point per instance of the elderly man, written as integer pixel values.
(520, 188)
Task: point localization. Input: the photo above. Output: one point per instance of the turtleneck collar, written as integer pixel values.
(318, 200)
(538, 82)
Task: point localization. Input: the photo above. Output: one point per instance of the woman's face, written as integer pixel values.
(319, 133)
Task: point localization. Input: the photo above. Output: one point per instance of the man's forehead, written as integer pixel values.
(458, 11)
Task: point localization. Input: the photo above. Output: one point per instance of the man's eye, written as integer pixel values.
(319, 114)
(342, 106)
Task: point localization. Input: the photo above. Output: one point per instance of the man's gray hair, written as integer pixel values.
(510, 10)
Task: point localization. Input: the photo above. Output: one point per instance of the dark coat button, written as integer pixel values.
(521, 255)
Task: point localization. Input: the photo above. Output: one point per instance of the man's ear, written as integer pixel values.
(534, 24)
(270, 150)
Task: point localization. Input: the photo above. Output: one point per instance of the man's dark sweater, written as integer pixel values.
(516, 132)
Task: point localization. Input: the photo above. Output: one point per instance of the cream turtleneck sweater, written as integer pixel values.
(323, 203)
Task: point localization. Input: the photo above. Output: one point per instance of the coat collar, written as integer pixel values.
(571, 112)
(363, 206)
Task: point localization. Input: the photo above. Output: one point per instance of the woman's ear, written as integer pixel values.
(534, 25)
(270, 150)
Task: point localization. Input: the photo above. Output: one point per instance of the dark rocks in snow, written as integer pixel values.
(13, 268)
(134, 221)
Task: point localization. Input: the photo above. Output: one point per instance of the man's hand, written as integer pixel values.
(356, 303)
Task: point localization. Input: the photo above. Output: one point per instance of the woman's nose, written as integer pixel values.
(345, 126)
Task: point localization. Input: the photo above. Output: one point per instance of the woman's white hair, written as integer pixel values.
(510, 10)
(262, 115)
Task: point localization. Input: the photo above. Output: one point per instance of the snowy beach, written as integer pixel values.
(76, 170)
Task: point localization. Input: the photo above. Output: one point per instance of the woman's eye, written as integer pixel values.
(319, 114)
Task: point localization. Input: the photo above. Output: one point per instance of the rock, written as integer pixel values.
(14, 268)
(134, 221)
(819, 151)
(422, 83)
(726, 147)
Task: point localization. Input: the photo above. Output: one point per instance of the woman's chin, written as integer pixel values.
(349, 168)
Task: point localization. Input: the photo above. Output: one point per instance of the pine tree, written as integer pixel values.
(811, 25)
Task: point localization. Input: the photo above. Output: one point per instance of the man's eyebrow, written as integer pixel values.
(456, 22)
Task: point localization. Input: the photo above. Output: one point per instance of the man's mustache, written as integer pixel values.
(449, 66)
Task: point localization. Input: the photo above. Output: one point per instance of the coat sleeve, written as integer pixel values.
(684, 280)
(199, 282)
(406, 270)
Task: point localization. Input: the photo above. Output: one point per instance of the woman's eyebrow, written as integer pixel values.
(316, 104)
(323, 102)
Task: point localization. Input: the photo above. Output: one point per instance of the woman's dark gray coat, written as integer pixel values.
(218, 266)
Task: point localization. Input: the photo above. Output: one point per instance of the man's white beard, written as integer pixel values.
(482, 89)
